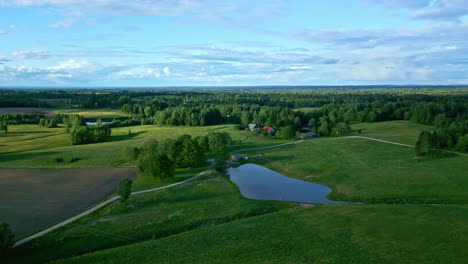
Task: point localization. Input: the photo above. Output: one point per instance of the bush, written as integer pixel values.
(74, 159)
(131, 153)
(239, 127)
(7, 238)
(125, 189)
(59, 159)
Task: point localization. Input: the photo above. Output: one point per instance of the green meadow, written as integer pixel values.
(368, 171)
(208, 220)
(321, 234)
(404, 132)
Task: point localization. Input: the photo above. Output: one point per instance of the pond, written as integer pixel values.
(93, 123)
(259, 183)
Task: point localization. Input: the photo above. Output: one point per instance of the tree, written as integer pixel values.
(424, 144)
(3, 128)
(286, 132)
(125, 189)
(7, 238)
(163, 167)
(462, 144)
(190, 154)
(148, 111)
(341, 129)
(126, 108)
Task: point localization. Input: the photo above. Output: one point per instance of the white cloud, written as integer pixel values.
(12, 26)
(30, 54)
(136, 74)
(74, 65)
(166, 71)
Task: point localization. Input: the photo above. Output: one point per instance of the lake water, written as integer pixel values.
(259, 183)
(93, 123)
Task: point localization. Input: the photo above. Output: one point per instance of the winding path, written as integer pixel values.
(111, 200)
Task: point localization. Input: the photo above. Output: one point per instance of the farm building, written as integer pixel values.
(310, 134)
(253, 127)
(269, 129)
(235, 158)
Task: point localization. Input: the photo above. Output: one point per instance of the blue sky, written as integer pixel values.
(93, 43)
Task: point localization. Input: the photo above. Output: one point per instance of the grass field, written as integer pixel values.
(404, 132)
(208, 221)
(322, 234)
(104, 113)
(32, 198)
(364, 170)
(307, 109)
(209, 201)
(28, 146)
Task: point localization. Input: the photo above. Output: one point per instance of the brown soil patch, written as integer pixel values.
(26, 110)
(34, 198)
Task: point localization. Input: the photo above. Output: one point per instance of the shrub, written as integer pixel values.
(7, 238)
(125, 189)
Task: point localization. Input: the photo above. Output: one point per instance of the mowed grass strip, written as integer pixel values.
(369, 171)
(322, 234)
(22, 138)
(104, 113)
(212, 200)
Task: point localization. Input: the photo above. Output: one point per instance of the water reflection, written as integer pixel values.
(260, 183)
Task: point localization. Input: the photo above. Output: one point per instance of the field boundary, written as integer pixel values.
(111, 200)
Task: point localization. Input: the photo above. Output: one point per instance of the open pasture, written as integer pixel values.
(33, 198)
(368, 171)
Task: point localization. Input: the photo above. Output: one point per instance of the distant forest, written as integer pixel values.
(330, 110)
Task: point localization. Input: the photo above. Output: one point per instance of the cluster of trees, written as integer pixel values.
(27, 118)
(3, 128)
(80, 133)
(50, 123)
(89, 134)
(160, 158)
(428, 142)
(445, 108)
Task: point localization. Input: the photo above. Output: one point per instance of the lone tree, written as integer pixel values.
(424, 144)
(6, 238)
(125, 189)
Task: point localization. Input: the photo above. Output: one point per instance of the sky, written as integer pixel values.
(112, 43)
